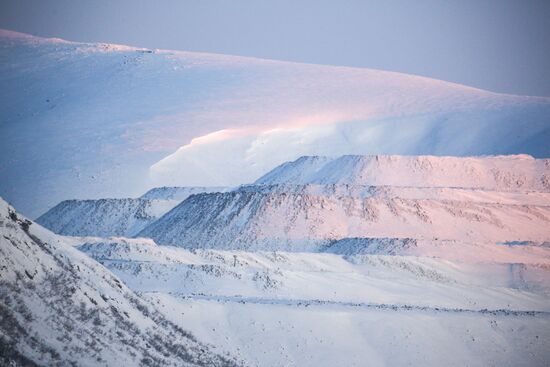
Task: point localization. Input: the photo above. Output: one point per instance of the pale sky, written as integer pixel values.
(498, 45)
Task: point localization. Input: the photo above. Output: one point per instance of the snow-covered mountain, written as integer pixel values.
(312, 202)
(60, 308)
(81, 120)
(116, 217)
(485, 303)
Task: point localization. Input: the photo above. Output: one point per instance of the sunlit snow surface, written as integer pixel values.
(96, 120)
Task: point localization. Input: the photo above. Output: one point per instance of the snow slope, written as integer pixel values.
(484, 304)
(60, 308)
(116, 217)
(448, 271)
(326, 335)
(103, 217)
(307, 204)
(84, 120)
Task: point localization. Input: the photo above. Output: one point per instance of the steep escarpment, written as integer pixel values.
(103, 217)
(300, 221)
(307, 204)
(116, 217)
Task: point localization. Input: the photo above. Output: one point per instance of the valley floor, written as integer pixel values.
(267, 332)
(324, 309)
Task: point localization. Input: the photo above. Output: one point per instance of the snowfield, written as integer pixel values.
(90, 121)
(354, 260)
(331, 335)
(486, 304)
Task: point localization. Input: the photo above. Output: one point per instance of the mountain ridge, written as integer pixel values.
(307, 204)
(9, 34)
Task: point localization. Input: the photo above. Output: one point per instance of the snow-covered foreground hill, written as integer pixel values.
(308, 204)
(91, 121)
(60, 308)
(116, 217)
(428, 304)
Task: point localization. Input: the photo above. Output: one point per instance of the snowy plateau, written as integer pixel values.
(290, 214)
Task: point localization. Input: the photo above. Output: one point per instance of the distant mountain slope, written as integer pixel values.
(309, 203)
(103, 217)
(81, 120)
(60, 308)
(300, 221)
(116, 217)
